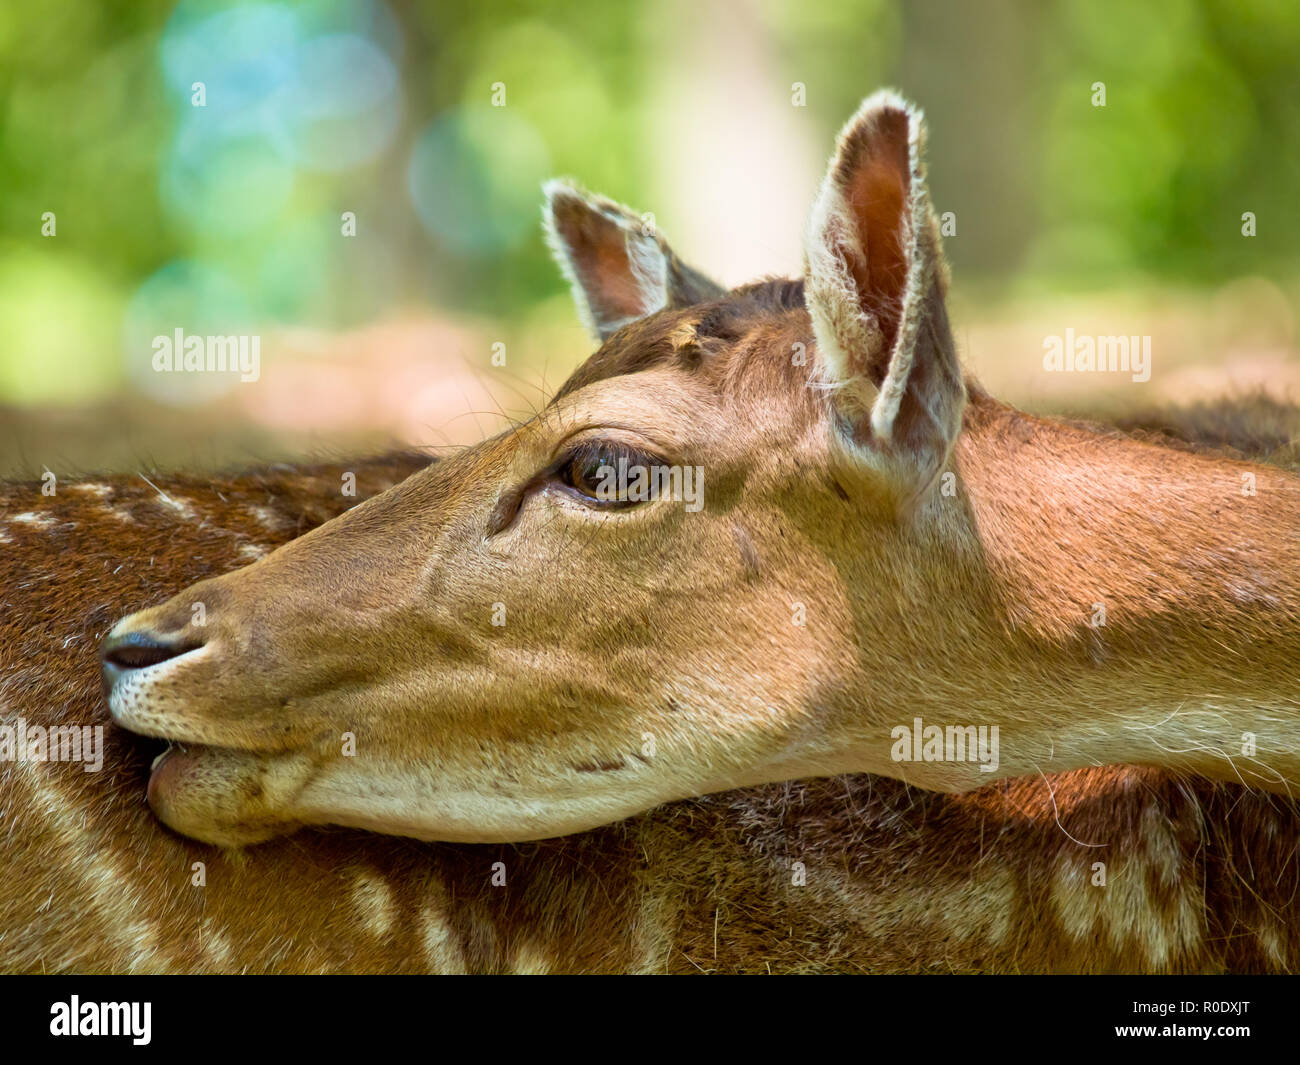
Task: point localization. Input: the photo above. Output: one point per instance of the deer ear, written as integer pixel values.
(875, 291)
(619, 265)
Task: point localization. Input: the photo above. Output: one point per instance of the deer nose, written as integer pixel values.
(120, 654)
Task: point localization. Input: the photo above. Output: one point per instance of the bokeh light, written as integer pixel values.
(200, 301)
(347, 176)
(475, 178)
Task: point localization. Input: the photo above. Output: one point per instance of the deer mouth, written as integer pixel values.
(158, 701)
(226, 796)
(225, 781)
(173, 766)
(167, 769)
(172, 762)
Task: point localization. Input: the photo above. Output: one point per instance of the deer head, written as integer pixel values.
(724, 554)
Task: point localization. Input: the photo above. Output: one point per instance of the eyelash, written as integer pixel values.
(599, 453)
(560, 473)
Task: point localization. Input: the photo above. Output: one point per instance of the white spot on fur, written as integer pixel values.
(253, 551)
(441, 951)
(374, 902)
(652, 929)
(106, 886)
(100, 490)
(183, 507)
(1271, 942)
(268, 518)
(41, 521)
(216, 947)
(530, 960)
(1124, 911)
(1161, 846)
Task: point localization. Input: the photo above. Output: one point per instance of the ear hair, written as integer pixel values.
(926, 269)
(620, 267)
(875, 291)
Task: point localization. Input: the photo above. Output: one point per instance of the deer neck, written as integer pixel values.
(1110, 601)
(1071, 520)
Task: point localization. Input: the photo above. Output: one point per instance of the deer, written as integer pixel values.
(1110, 869)
(512, 645)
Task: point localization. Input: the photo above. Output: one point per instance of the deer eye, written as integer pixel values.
(607, 474)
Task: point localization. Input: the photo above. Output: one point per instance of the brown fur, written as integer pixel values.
(881, 543)
(1201, 877)
(829, 592)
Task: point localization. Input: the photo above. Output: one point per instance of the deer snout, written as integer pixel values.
(134, 650)
(126, 650)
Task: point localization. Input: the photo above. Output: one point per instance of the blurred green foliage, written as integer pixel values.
(1202, 124)
(97, 125)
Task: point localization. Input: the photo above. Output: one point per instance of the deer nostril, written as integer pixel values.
(135, 650)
